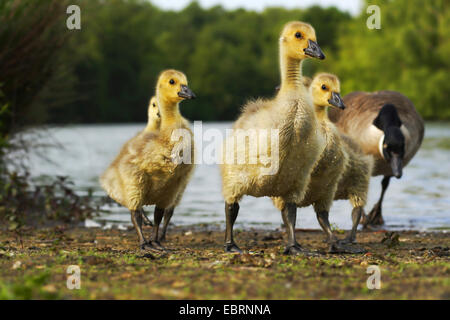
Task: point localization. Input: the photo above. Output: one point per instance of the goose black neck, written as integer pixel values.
(387, 118)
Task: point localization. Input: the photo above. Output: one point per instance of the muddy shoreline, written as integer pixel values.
(34, 265)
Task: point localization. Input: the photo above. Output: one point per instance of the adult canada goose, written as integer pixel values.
(327, 172)
(291, 112)
(148, 171)
(386, 125)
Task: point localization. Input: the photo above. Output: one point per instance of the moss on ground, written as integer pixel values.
(34, 266)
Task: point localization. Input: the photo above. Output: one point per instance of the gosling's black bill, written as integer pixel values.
(336, 100)
(186, 93)
(396, 165)
(314, 50)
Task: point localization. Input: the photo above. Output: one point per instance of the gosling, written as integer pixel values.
(354, 182)
(148, 171)
(327, 173)
(154, 116)
(154, 122)
(292, 113)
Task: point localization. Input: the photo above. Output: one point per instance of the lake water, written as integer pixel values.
(420, 200)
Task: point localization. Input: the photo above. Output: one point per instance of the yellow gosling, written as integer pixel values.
(146, 173)
(325, 92)
(292, 113)
(154, 117)
(354, 184)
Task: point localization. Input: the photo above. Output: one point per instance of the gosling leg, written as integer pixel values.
(289, 215)
(335, 245)
(167, 216)
(136, 219)
(147, 221)
(231, 213)
(357, 213)
(375, 216)
(322, 218)
(158, 215)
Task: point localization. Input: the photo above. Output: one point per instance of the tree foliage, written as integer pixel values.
(31, 33)
(106, 72)
(229, 57)
(410, 54)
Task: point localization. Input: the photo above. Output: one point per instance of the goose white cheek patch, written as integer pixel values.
(405, 132)
(380, 146)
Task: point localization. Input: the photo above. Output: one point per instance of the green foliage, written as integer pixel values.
(410, 54)
(229, 57)
(31, 68)
(22, 203)
(108, 69)
(4, 114)
(31, 33)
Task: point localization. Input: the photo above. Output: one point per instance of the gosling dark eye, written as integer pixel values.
(298, 35)
(324, 87)
(172, 81)
(154, 105)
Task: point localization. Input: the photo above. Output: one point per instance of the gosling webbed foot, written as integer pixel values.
(339, 247)
(232, 247)
(147, 246)
(330, 239)
(293, 250)
(347, 240)
(153, 246)
(297, 249)
(158, 245)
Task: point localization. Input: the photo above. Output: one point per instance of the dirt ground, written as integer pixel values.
(34, 265)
